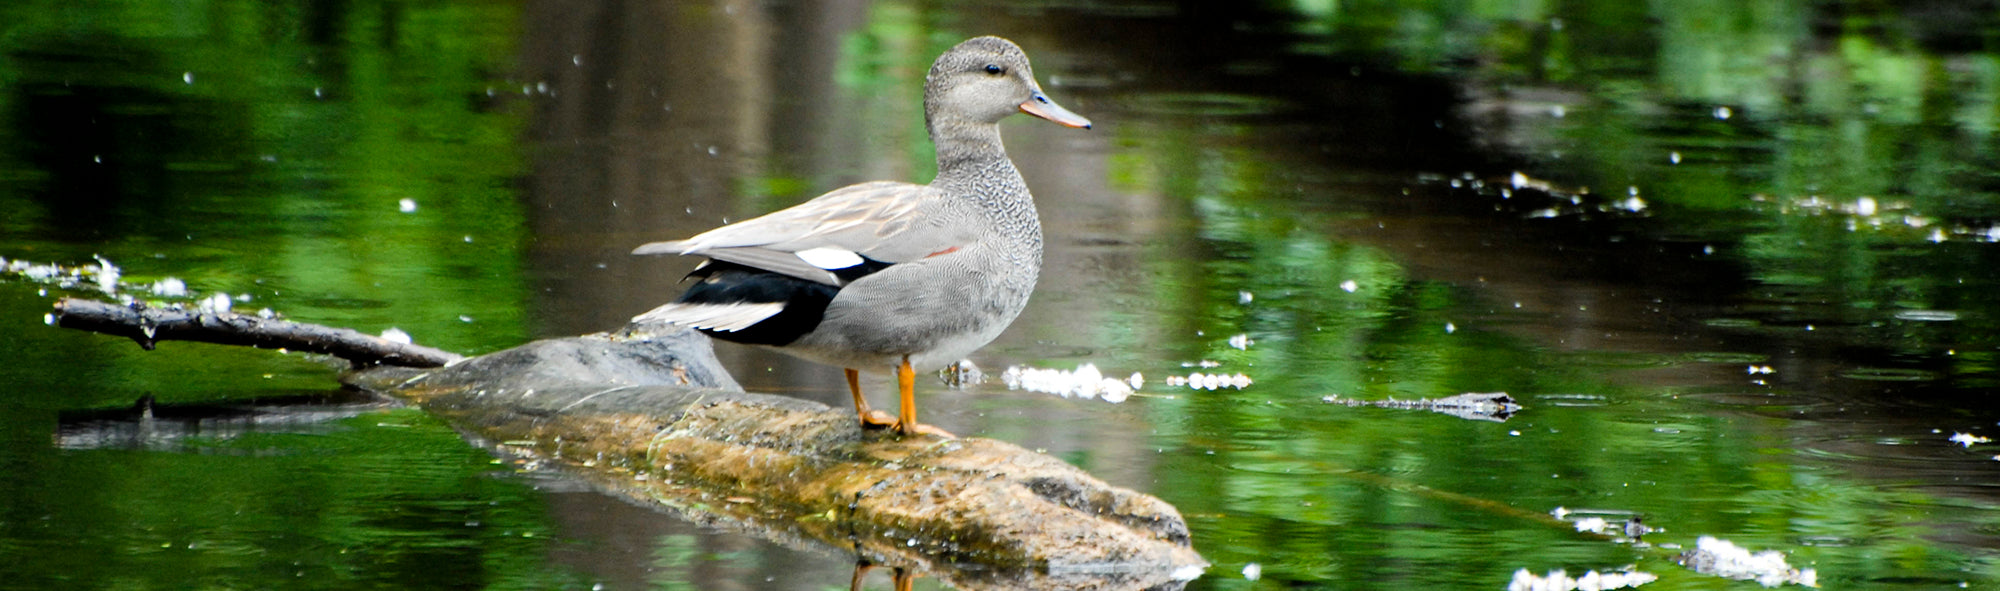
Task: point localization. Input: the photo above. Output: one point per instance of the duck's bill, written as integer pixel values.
(1040, 106)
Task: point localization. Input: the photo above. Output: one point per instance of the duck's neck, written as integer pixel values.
(971, 154)
(972, 164)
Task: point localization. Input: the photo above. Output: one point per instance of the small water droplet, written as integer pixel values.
(187, 77)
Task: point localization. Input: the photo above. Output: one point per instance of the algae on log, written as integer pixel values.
(653, 417)
(974, 512)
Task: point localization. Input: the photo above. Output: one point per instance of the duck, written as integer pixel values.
(887, 276)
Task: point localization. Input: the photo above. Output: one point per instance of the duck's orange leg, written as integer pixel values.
(870, 418)
(906, 421)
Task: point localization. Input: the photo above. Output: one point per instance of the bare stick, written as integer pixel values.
(147, 325)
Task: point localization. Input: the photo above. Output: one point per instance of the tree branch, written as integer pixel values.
(147, 325)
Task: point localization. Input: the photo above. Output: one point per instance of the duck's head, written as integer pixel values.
(985, 79)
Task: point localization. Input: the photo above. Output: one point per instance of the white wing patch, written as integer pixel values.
(827, 257)
(722, 317)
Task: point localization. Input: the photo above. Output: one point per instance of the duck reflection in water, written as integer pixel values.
(903, 578)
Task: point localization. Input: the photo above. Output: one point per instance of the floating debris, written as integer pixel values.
(1968, 439)
(1478, 406)
(171, 287)
(407, 205)
(1084, 382)
(1349, 286)
(1210, 381)
(104, 277)
(1724, 559)
(217, 303)
(1241, 342)
(1896, 217)
(1927, 315)
(1621, 526)
(107, 276)
(1542, 199)
(397, 335)
(962, 374)
(1253, 571)
(1559, 580)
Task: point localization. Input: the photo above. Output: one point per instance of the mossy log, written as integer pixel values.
(654, 418)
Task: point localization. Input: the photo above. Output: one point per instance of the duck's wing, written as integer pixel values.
(836, 237)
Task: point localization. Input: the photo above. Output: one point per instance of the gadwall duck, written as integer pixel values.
(888, 275)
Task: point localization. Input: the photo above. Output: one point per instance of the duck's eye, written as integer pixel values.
(995, 69)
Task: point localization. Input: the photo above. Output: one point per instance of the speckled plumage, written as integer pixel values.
(950, 263)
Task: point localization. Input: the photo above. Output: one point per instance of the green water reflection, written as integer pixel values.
(1737, 260)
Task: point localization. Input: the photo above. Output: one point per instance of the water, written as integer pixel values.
(1737, 267)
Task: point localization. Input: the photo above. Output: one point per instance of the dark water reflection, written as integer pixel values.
(1738, 265)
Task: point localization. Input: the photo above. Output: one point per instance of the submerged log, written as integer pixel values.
(653, 417)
